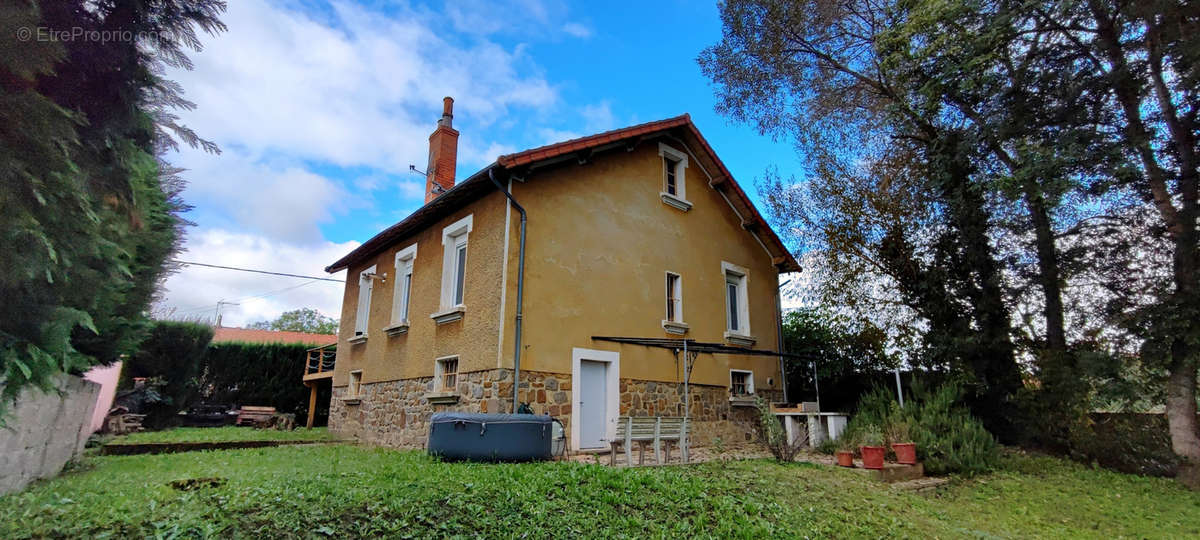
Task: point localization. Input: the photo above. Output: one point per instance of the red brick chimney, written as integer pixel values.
(443, 154)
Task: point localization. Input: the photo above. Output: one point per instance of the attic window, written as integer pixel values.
(671, 165)
(675, 164)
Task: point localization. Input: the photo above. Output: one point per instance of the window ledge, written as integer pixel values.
(675, 327)
(397, 329)
(352, 401)
(441, 398)
(361, 338)
(449, 315)
(743, 401)
(740, 339)
(676, 202)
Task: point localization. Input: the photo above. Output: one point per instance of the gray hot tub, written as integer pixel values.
(491, 437)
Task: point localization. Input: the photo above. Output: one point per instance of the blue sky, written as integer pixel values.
(319, 107)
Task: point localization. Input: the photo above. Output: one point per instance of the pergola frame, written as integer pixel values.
(691, 349)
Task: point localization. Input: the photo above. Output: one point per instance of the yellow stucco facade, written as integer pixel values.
(600, 241)
(602, 235)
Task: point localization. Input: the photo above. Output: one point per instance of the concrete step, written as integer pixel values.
(895, 472)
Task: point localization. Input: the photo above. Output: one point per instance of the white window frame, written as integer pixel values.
(362, 314)
(439, 373)
(673, 325)
(354, 386)
(749, 381)
(454, 236)
(401, 291)
(741, 276)
(679, 198)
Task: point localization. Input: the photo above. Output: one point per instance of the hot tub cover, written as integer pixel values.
(490, 418)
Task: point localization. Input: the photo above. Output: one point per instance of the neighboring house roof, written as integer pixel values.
(478, 184)
(224, 334)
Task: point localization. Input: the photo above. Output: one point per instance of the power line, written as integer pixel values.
(263, 295)
(186, 263)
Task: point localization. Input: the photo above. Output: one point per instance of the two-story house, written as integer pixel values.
(639, 234)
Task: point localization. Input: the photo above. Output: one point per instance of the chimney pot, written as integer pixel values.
(448, 106)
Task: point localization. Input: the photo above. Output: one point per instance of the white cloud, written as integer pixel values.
(578, 30)
(362, 93)
(194, 291)
(598, 117)
(278, 198)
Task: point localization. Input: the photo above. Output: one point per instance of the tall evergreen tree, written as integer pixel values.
(88, 213)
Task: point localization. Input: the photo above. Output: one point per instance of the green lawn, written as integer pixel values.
(350, 491)
(222, 434)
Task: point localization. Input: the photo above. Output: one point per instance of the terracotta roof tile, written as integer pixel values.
(224, 334)
(478, 183)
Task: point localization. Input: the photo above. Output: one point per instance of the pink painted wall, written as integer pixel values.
(106, 377)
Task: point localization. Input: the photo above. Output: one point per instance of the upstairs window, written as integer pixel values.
(737, 312)
(454, 262)
(674, 298)
(445, 373)
(741, 382)
(402, 295)
(732, 300)
(365, 285)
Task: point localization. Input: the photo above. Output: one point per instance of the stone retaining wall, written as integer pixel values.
(396, 413)
(45, 430)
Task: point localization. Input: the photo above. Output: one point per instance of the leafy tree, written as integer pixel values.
(88, 213)
(301, 320)
(1061, 131)
(809, 70)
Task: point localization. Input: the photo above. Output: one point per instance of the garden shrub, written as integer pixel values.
(266, 374)
(949, 440)
(172, 352)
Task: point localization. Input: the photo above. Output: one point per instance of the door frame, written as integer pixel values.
(613, 397)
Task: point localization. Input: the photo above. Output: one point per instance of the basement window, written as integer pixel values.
(355, 386)
(445, 374)
(674, 192)
(741, 383)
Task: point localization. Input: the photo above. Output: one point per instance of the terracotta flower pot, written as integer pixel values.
(872, 456)
(845, 459)
(906, 453)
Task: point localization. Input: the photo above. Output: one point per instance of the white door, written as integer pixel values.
(593, 403)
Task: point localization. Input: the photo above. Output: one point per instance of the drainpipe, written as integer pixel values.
(779, 336)
(520, 291)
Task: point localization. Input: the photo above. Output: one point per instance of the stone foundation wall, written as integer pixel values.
(397, 413)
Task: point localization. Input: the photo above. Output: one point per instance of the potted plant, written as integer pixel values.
(901, 442)
(872, 447)
(845, 449)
